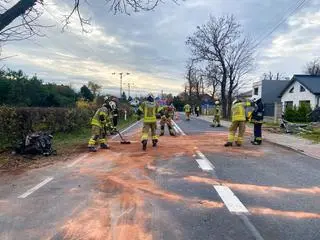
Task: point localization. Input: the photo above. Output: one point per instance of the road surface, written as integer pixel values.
(189, 187)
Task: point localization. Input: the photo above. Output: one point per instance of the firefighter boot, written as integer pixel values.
(154, 142)
(228, 144)
(92, 149)
(144, 145)
(104, 146)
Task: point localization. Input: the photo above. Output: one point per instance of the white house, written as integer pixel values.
(302, 89)
(269, 91)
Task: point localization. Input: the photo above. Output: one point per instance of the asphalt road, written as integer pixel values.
(189, 187)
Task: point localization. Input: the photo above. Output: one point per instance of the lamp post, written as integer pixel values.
(121, 75)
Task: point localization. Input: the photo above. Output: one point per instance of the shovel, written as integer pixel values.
(123, 141)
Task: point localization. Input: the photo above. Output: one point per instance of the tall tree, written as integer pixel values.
(94, 87)
(86, 93)
(313, 67)
(214, 42)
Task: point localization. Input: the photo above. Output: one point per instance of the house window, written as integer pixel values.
(291, 90)
(304, 103)
(302, 89)
(256, 91)
(288, 104)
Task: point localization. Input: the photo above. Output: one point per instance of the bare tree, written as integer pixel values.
(313, 67)
(218, 41)
(271, 76)
(94, 87)
(29, 12)
(213, 78)
(239, 62)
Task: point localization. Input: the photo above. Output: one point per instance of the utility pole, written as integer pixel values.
(121, 75)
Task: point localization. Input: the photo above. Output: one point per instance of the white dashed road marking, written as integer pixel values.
(35, 188)
(204, 165)
(230, 200)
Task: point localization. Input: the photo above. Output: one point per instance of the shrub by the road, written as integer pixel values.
(300, 114)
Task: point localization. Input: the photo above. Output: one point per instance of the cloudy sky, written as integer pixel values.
(151, 45)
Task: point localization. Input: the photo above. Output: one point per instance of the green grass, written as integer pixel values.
(79, 138)
(313, 136)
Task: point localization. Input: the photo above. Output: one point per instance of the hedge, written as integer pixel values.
(300, 114)
(16, 123)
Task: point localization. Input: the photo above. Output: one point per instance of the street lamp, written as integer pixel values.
(121, 74)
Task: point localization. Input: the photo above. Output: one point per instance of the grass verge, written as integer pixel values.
(67, 145)
(313, 136)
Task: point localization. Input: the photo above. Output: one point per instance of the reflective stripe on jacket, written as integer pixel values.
(187, 108)
(150, 110)
(101, 112)
(238, 112)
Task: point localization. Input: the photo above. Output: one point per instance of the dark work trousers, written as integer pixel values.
(258, 132)
(115, 120)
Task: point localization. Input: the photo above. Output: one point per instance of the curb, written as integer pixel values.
(300, 151)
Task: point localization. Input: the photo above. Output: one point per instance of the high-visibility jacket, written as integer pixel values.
(187, 108)
(238, 112)
(101, 118)
(168, 111)
(149, 110)
(217, 110)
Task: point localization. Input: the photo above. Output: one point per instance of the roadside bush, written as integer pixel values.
(300, 114)
(16, 123)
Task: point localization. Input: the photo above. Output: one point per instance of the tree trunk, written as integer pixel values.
(17, 10)
(223, 96)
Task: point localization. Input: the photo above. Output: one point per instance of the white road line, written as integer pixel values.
(230, 200)
(35, 188)
(204, 158)
(131, 126)
(77, 160)
(204, 165)
(180, 130)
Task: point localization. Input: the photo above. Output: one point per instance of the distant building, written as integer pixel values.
(302, 89)
(269, 91)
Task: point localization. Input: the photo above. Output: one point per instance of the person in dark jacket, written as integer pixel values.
(257, 119)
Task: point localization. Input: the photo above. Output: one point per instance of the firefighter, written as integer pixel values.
(111, 104)
(257, 119)
(238, 122)
(149, 109)
(187, 110)
(167, 114)
(197, 110)
(217, 114)
(100, 122)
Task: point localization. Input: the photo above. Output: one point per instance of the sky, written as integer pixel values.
(151, 45)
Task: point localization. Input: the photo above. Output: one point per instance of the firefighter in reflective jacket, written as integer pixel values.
(100, 122)
(257, 119)
(167, 113)
(187, 110)
(149, 109)
(217, 113)
(238, 122)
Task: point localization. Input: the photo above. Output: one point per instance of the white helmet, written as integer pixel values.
(113, 105)
(217, 102)
(235, 101)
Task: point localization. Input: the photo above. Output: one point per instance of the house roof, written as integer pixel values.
(311, 82)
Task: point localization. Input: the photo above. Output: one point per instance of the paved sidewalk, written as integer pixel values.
(302, 145)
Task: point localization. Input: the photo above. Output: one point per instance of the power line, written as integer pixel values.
(296, 9)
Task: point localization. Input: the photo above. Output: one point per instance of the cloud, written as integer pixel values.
(151, 45)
